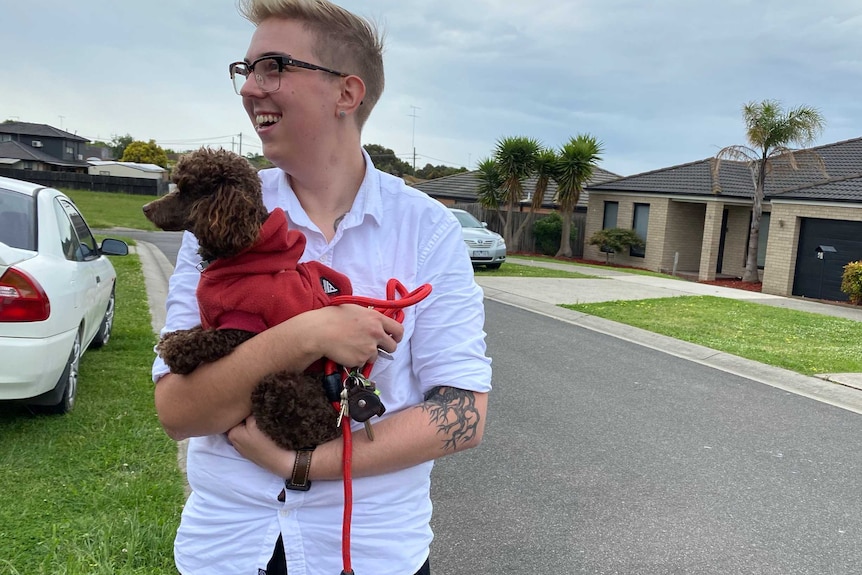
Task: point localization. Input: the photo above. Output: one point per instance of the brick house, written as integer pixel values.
(697, 224)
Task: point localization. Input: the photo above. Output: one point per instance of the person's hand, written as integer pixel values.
(252, 444)
(351, 335)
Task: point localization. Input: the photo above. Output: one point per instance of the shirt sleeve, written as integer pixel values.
(181, 304)
(449, 339)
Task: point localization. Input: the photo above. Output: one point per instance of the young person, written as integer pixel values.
(310, 79)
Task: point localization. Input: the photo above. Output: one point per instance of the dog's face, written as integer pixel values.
(217, 198)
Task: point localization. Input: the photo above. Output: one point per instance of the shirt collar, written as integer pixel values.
(368, 201)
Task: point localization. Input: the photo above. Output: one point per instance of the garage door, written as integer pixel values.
(821, 278)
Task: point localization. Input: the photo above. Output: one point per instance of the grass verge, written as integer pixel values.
(509, 269)
(96, 491)
(807, 343)
(637, 271)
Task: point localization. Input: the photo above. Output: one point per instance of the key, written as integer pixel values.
(345, 407)
(368, 430)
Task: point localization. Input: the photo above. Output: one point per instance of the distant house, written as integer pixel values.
(39, 147)
(696, 223)
(126, 169)
(464, 188)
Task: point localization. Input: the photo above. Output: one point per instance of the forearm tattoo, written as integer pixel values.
(454, 413)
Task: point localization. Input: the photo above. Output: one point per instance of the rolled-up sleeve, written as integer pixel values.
(181, 304)
(449, 339)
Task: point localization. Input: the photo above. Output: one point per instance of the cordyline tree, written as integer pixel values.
(544, 168)
(575, 164)
(770, 130)
(490, 191)
(516, 160)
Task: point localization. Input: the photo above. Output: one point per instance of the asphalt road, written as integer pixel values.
(603, 456)
(606, 457)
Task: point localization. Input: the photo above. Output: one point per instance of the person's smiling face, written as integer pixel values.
(293, 118)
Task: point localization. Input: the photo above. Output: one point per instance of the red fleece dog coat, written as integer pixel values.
(264, 285)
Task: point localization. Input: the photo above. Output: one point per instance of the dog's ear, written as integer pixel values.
(226, 222)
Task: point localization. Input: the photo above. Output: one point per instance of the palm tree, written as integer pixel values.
(490, 191)
(575, 165)
(770, 130)
(544, 169)
(516, 158)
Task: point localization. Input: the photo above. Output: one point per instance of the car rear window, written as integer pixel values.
(17, 222)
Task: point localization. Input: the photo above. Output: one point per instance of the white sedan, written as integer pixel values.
(56, 294)
(486, 248)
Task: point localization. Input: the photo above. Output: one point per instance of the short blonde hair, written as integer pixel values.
(343, 41)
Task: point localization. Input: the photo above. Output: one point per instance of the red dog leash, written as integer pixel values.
(336, 386)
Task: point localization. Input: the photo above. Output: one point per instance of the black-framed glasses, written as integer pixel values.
(267, 71)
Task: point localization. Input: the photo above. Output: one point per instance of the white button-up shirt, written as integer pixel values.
(232, 519)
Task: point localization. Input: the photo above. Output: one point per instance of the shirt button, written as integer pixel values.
(284, 512)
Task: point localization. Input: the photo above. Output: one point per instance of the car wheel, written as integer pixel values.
(68, 381)
(103, 336)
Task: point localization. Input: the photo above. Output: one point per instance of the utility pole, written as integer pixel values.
(61, 121)
(414, 136)
(240, 143)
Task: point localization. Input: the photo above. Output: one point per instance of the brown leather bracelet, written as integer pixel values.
(301, 466)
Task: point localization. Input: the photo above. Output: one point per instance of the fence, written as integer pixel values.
(75, 181)
(527, 242)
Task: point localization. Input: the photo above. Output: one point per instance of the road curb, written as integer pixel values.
(157, 270)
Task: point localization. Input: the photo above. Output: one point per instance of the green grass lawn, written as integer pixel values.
(509, 269)
(804, 342)
(97, 491)
(514, 259)
(108, 210)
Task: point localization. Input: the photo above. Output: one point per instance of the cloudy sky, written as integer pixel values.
(659, 82)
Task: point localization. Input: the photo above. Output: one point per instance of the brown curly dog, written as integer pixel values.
(250, 281)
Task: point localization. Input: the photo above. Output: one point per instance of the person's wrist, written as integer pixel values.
(310, 344)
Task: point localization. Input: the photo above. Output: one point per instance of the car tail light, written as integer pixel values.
(22, 298)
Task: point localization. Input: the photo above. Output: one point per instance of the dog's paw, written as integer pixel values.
(293, 411)
(178, 349)
(184, 350)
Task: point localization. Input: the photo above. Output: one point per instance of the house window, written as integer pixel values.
(640, 223)
(5, 137)
(610, 218)
(70, 150)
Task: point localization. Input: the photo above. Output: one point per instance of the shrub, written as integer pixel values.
(851, 282)
(548, 232)
(616, 239)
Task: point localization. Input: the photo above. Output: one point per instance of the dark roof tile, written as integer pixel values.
(19, 151)
(40, 130)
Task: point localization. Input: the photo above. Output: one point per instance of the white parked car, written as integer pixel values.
(486, 248)
(56, 294)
